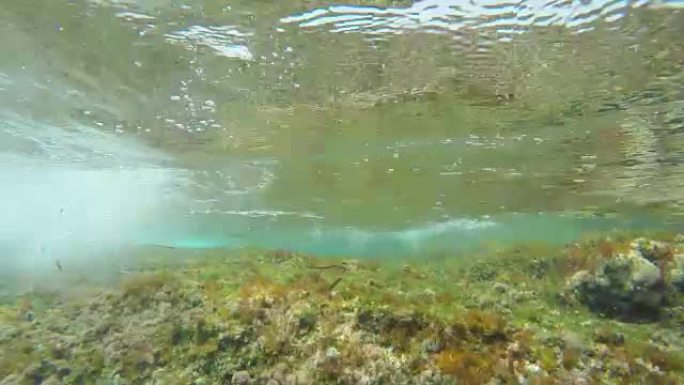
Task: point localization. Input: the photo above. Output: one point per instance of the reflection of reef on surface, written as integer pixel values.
(282, 318)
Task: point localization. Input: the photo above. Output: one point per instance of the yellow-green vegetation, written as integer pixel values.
(509, 316)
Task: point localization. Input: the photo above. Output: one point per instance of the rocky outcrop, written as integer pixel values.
(633, 286)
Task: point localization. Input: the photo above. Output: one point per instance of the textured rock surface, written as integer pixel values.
(633, 285)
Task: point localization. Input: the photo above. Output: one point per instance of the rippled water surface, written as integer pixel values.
(365, 128)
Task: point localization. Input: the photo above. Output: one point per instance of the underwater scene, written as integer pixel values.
(301, 192)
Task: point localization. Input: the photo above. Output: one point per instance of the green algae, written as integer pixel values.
(502, 315)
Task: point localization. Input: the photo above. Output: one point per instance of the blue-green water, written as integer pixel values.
(455, 237)
(367, 128)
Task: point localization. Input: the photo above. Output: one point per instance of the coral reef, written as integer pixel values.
(281, 318)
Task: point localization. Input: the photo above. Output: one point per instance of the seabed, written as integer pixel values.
(603, 310)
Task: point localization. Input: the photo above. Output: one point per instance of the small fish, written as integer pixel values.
(58, 264)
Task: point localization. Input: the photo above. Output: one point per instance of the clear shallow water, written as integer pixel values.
(370, 128)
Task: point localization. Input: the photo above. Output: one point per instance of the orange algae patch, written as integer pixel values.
(469, 367)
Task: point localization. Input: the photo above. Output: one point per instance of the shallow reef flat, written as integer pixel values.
(604, 310)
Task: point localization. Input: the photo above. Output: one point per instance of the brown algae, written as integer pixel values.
(603, 311)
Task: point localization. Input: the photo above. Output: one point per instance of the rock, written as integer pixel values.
(332, 353)
(571, 340)
(532, 368)
(307, 322)
(272, 382)
(580, 278)
(653, 251)
(609, 337)
(235, 340)
(500, 287)
(63, 372)
(34, 373)
(627, 286)
(431, 346)
(195, 301)
(59, 351)
(241, 378)
(52, 380)
(579, 379)
(645, 274)
(279, 372)
(382, 321)
(482, 271)
(677, 279)
(291, 379)
(300, 378)
(677, 272)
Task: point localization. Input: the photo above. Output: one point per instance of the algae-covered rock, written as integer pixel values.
(630, 286)
(241, 377)
(654, 251)
(677, 273)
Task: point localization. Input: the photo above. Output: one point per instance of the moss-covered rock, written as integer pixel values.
(635, 285)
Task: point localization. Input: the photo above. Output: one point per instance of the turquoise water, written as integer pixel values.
(365, 128)
(455, 237)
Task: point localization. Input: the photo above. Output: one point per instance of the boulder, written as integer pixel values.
(627, 286)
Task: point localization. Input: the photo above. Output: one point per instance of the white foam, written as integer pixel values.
(73, 194)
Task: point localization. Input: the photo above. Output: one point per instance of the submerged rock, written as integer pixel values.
(629, 286)
(432, 346)
(677, 273)
(241, 377)
(654, 251)
(609, 337)
(332, 354)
